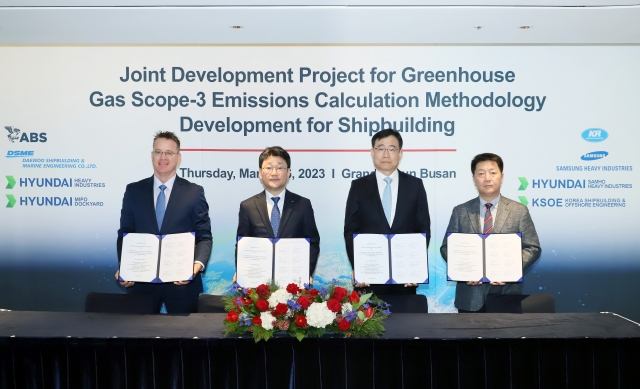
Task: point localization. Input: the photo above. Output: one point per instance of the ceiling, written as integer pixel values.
(314, 22)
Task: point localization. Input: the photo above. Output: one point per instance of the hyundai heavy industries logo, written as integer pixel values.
(594, 135)
(15, 135)
(592, 156)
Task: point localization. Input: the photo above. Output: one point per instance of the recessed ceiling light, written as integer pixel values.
(525, 27)
(237, 27)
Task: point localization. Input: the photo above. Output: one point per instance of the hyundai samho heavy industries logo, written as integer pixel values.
(15, 135)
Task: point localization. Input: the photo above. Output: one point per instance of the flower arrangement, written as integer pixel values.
(302, 313)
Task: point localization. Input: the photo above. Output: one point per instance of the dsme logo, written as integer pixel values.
(594, 135)
(594, 155)
(15, 135)
(19, 153)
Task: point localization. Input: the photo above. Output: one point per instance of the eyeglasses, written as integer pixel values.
(169, 154)
(278, 169)
(391, 149)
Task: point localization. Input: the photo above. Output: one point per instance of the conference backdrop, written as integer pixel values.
(78, 123)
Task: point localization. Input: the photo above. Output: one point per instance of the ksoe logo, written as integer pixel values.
(592, 156)
(594, 135)
(16, 136)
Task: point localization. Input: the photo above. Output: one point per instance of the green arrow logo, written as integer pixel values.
(12, 182)
(523, 200)
(523, 183)
(12, 201)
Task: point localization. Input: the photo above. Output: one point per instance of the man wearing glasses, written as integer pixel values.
(386, 201)
(167, 204)
(277, 212)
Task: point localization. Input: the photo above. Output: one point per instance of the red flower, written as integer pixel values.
(304, 302)
(369, 312)
(293, 289)
(262, 290)
(281, 309)
(334, 305)
(301, 320)
(262, 305)
(312, 292)
(344, 325)
(232, 316)
(247, 301)
(257, 320)
(339, 293)
(354, 297)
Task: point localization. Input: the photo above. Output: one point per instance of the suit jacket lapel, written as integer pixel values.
(150, 202)
(287, 209)
(176, 194)
(504, 207)
(473, 212)
(402, 190)
(260, 200)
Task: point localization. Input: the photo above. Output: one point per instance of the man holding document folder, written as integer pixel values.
(490, 213)
(387, 202)
(276, 213)
(166, 204)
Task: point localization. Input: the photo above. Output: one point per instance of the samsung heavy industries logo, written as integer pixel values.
(594, 155)
(594, 135)
(15, 135)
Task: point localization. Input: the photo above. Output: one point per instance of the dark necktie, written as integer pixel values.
(488, 219)
(275, 216)
(161, 205)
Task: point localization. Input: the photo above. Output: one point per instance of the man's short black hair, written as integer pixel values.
(167, 135)
(275, 151)
(386, 133)
(486, 157)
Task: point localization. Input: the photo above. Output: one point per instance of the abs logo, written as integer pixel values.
(594, 135)
(594, 155)
(15, 135)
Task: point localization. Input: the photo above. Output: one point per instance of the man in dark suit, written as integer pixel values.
(277, 212)
(477, 216)
(402, 209)
(167, 204)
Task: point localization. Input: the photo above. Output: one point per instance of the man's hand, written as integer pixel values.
(497, 283)
(474, 283)
(359, 284)
(196, 269)
(126, 284)
(409, 285)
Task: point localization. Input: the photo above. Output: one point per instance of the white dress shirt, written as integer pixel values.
(394, 190)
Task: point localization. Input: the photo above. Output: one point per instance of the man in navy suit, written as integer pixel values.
(408, 210)
(167, 204)
(290, 213)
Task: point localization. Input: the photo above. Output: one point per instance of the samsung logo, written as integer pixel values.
(19, 153)
(594, 135)
(592, 156)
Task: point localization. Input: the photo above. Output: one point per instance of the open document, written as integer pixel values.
(391, 259)
(284, 260)
(484, 258)
(157, 258)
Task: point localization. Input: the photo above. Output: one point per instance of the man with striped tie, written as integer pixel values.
(491, 213)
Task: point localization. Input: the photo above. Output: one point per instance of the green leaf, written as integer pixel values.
(363, 299)
(361, 315)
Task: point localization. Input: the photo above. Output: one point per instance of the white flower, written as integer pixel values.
(267, 320)
(319, 316)
(279, 296)
(347, 307)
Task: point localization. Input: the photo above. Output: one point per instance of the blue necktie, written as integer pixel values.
(386, 199)
(161, 206)
(275, 216)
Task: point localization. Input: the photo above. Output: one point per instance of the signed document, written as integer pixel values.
(157, 258)
(284, 260)
(484, 258)
(390, 259)
(255, 261)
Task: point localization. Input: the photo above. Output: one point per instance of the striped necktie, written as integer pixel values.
(488, 219)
